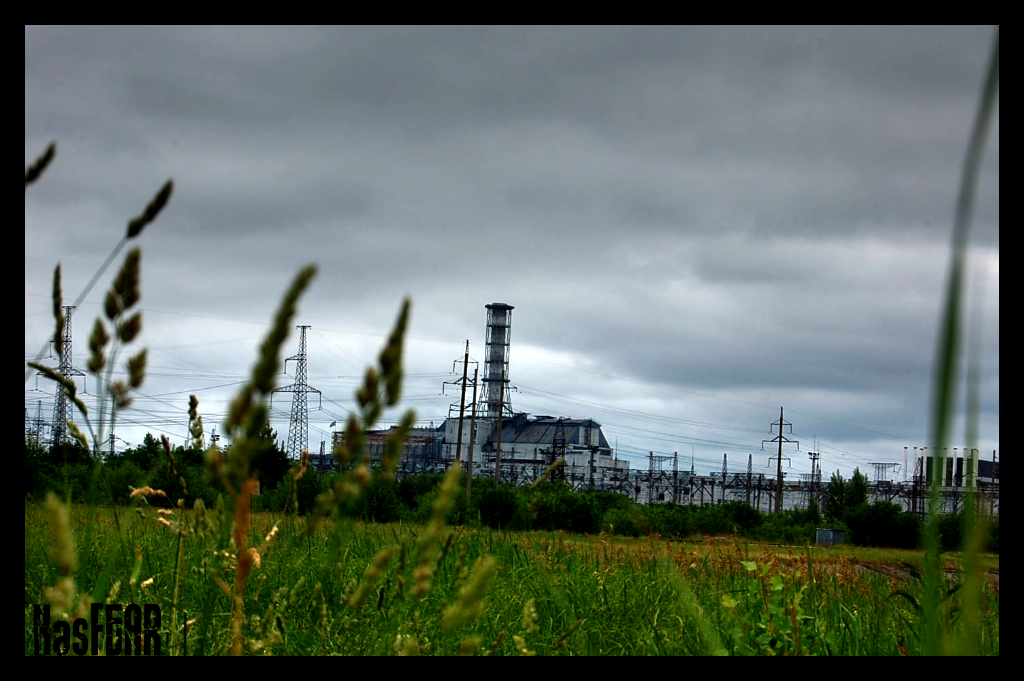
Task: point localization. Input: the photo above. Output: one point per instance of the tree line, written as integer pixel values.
(73, 472)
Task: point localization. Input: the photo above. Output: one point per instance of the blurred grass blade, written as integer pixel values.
(135, 226)
(36, 169)
(947, 354)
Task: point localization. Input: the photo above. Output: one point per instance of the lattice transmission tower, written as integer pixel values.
(298, 425)
(34, 427)
(62, 405)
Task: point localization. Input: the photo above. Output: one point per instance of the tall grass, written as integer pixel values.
(937, 638)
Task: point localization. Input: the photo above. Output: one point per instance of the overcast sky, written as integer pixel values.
(696, 225)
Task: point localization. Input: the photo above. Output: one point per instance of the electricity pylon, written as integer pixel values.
(298, 425)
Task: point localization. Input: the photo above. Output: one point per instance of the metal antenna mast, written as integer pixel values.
(298, 425)
(62, 405)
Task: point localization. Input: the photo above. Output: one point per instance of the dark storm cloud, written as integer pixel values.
(751, 213)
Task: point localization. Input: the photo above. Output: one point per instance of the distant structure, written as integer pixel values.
(495, 380)
(528, 447)
(62, 412)
(495, 397)
(957, 475)
(518, 448)
(298, 425)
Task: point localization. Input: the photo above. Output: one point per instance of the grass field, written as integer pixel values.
(337, 592)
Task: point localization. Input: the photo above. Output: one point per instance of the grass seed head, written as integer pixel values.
(33, 172)
(61, 596)
(58, 312)
(63, 549)
(97, 343)
(130, 328)
(126, 283)
(470, 603)
(136, 225)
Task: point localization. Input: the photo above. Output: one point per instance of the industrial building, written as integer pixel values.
(524, 446)
(527, 445)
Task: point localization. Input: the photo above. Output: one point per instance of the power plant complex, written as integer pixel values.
(489, 434)
(489, 438)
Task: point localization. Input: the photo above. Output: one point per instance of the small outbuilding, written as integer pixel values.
(828, 537)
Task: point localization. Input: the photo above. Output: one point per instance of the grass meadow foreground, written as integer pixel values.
(337, 591)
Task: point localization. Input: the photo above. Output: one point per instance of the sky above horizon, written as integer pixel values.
(696, 225)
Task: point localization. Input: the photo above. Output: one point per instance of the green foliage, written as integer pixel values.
(814, 511)
(856, 490)
(992, 542)
(559, 508)
(835, 498)
(500, 507)
(883, 524)
(379, 502)
(770, 618)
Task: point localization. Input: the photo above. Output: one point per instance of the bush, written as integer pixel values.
(559, 508)
(883, 524)
(992, 541)
(379, 502)
(951, 536)
(498, 507)
(629, 522)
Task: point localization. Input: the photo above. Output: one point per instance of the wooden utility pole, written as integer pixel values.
(501, 422)
(472, 439)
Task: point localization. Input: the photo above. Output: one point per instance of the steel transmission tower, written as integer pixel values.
(62, 405)
(298, 425)
(35, 430)
(780, 439)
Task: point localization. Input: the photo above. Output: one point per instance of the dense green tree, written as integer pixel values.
(883, 524)
(814, 511)
(269, 463)
(835, 498)
(856, 491)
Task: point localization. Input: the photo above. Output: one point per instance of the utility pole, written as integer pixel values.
(814, 475)
(62, 411)
(472, 438)
(992, 497)
(780, 439)
(298, 424)
(750, 474)
(501, 423)
(725, 473)
(462, 403)
(675, 477)
(558, 451)
(592, 450)
(37, 424)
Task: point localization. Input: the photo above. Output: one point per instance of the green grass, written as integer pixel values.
(592, 595)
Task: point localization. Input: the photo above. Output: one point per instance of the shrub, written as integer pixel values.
(500, 507)
(629, 522)
(883, 524)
